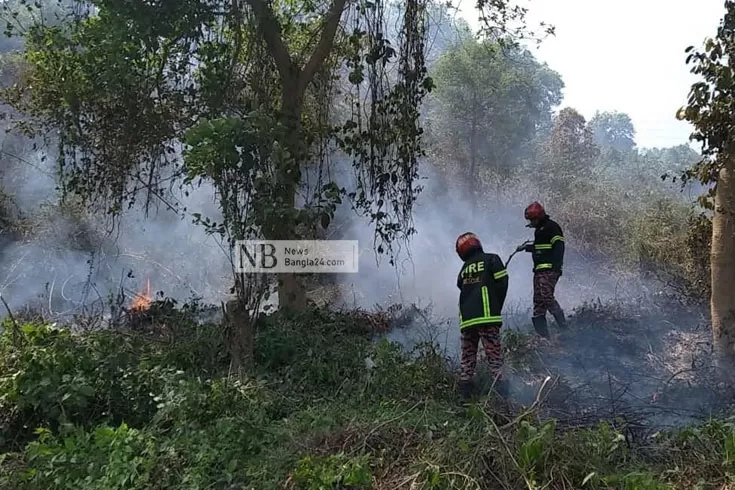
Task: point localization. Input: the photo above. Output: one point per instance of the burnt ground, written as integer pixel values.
(650, 364)
(647, 362)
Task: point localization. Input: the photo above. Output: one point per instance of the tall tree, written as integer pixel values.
(711, 110)
(137, 76)
(613, 130)
(244, 90)
(489, 102)
(569, 152)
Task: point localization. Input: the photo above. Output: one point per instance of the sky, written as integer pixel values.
(626, 56)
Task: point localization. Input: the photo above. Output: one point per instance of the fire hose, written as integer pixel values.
(519, 249)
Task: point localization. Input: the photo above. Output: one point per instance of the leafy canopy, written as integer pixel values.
(495, 98)
(123, 86)
(711, 102)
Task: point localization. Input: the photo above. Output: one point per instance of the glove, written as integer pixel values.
(525, 247)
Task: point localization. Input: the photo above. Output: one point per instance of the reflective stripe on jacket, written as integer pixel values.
(548, 247)
(483, 285)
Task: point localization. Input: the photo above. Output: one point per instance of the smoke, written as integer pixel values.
(426, 268)
(64, 259)
(629, 350)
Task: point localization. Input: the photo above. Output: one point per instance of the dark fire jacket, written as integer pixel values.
(483, 285)
(548, 247)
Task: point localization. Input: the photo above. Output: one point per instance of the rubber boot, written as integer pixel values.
(561, 321)
(465, 390)
(539, 324)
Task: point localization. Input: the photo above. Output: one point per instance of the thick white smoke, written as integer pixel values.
(426, 269)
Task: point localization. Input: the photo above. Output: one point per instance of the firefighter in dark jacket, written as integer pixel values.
(548, 260)
(483, 285)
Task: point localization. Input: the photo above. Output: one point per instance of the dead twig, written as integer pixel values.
(17, 332)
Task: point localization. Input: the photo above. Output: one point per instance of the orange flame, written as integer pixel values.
(142, 301)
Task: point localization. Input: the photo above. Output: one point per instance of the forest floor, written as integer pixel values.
(330, 405)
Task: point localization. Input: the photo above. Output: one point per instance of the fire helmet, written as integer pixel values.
(535, 211)
(466, 243)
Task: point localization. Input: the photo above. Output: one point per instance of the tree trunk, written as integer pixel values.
(722, 259)
(294, 80)
(291, 289)
(240, 329)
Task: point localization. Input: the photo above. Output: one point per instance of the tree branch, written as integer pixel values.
(324, 47)
(272, 35)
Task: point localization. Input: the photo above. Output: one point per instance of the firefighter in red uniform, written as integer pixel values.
(548, 260)
(483, 285)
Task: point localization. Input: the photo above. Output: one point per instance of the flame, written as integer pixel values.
(142, 301)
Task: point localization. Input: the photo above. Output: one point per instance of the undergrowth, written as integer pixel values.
(326, 407)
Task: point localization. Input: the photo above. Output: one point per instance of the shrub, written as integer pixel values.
(391, 420)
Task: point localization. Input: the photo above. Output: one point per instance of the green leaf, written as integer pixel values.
(86, 390)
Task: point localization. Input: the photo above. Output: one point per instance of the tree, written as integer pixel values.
(244, 91)
(489, 102)
(711, 110)
(613, 130)
(670, 162)
(446, 30)
(129, 95)
(568, 153)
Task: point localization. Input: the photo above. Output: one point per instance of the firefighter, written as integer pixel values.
(548, 260)
(483, 285)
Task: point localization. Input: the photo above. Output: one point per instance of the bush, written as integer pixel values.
(58, 378)
(644, 231)
(336, 410)
(312, 352)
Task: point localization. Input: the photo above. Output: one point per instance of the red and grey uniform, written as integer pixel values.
(548, 262)
(483, 285)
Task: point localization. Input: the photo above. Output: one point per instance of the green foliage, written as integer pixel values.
(388, 421)
(213, 452)
(335, 471)
(497, 98)
(712, 102)
(534, 444)
(58, 378)
(114, 85)
(288, 349)
(113, 458)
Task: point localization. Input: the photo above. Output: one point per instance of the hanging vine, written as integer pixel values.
(126, 87)
(384, 139)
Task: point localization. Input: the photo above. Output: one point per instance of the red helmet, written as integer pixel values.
(467, 242)
(535, 211)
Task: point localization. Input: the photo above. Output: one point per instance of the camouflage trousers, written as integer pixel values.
(489, 335)
(544, 284)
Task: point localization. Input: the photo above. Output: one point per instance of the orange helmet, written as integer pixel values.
(535, 211)
(466, 243)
